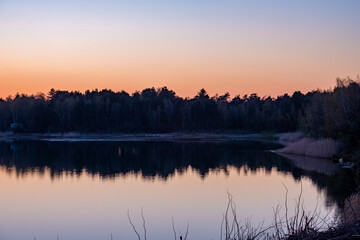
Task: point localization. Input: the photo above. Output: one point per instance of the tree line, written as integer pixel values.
(331, 113)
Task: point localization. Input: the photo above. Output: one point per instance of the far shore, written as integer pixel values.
(294, 143)
(77, 137)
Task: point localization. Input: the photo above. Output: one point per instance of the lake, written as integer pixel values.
(85, 190)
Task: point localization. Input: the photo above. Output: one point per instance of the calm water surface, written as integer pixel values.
(83, 190)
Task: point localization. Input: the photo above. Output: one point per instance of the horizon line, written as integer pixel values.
(157, 89)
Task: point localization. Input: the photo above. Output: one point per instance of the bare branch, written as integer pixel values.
(144, 226)
(286, 208)
(187, 230)
(221, 227)
(173, 227)
(133, 226)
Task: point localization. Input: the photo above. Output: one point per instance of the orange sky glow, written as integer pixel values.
(235, 47)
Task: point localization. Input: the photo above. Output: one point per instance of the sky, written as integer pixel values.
(240, 47)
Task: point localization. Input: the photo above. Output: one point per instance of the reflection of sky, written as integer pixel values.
(269, 47)
(88, 207)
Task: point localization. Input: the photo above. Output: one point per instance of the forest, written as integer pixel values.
(333, 113)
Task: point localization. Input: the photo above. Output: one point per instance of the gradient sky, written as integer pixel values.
(268, 47)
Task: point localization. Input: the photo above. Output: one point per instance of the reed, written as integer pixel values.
(323, 148)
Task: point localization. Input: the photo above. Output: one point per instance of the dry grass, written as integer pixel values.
(233, 228)
(351, 211)
(301, 224)
(324, 148)
(297, 223)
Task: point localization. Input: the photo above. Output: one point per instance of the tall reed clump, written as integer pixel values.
(351, 211)
(233, 228)
(298, 225)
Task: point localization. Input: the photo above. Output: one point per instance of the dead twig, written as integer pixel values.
(173, 227)
(144, 226)
(133, 226)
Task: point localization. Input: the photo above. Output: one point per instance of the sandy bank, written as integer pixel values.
(298, 144)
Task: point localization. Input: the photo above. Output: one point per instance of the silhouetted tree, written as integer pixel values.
(333, 113)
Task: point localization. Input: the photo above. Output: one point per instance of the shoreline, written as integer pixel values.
(294, 143)
(177, 136)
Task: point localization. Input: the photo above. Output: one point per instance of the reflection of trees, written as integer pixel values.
(160, 159)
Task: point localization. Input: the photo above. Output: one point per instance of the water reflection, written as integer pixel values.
(162, 160)
(82, 190)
